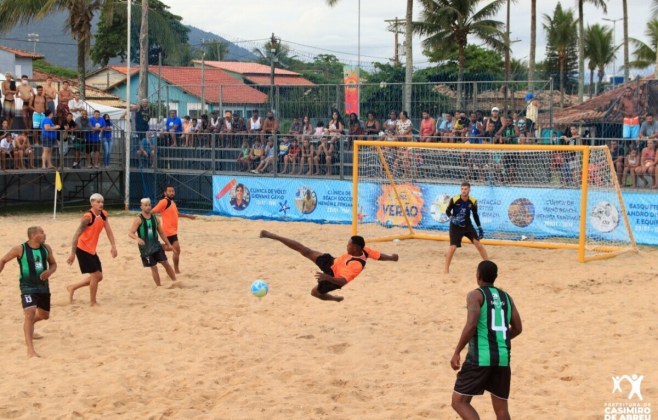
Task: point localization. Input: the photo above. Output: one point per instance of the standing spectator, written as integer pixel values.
(37, 106)
(308, 153)
(8, 104)
(531, 112)
(270, 125)
(372, 126)
(254, 124)
(49, 130)
(215, 122)
(69, 137)
(142, 117)
(94, 142)
(648, 164)
(107, 139)
(174, 127)
(495, 118)
(238, 125)
(226, 130)
(84, 131)
(427, 127)
(403, 127)
(26, 93)
(63, 98)
(629, 107)
(77, 105)
(51, 94)
(188, 137)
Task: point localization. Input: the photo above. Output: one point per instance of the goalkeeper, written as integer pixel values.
(459, 211)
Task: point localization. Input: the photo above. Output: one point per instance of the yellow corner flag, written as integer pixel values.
(58, 181)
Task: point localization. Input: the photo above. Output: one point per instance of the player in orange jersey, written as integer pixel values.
(336, 272)
(170, 215)
(85, 240)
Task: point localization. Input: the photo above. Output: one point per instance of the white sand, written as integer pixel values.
(209, 349)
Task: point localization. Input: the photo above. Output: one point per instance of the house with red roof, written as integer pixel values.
(257, 74)
(17, 62)
(189, 90)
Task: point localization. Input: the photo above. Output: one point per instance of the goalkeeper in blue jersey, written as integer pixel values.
(459, 211)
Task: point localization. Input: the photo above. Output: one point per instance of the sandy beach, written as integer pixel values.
(206, 348)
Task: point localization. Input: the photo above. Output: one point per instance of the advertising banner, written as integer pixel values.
(515, 212)
(351, 80)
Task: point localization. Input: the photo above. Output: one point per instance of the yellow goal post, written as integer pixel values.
(542, 196)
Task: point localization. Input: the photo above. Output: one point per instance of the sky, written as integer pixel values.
(310, 27)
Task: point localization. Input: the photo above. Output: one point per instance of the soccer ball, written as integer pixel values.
(259, 288)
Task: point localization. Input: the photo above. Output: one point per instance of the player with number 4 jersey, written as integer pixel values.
(491, 324)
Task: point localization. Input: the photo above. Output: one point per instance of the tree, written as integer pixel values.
(626, 60)
(561, 45)
(273, 49)
(533, 43)
(581, 42)
(166, 34)
(80, 15)
(447, 25)
(216, 50)
(645, 54)
(599, 50)
(143, 52)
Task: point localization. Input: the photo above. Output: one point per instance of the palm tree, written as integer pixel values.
(217, 50)
(626, 60)
(655, 15)
(81, 13)
(581, 42)
(408, 50)
(533, 43)
(447, 25)
(560, 39)
(599, 50)
(645, 54)
(144, 52)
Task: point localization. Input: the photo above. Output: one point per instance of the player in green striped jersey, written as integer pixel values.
(145, 230)
(36, 264)
(491, 323)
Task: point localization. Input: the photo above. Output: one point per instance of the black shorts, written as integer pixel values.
(88, 263)
(474, 380)
(172, 239)
(40, 300)
(324, 263)
(458, 232)
(93, 147)
(153, 259)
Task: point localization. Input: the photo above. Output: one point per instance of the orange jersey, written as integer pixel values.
(89, 237)
(348, 266)
(169, 212)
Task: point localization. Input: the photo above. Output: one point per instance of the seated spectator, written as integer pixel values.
(203, 130)
(238, 124)
(22, 150)
(489, 135)
(460, 126)
(508, 133)
(292, 157)
(188, 137)
(648, 164)
(270, 125)
(427, 127)
(295, 127)
(257, 152)
(308, 153)
(320, 131)
(475, 129)
(335, 127)
(445, 128)
(403, 127)
(355, 129)
(146, 151)
(495, 118)
(307, 127)
(71, 139)
(6, 146)
(174, 127)
(269, 158)
(284, 146)
(617, 154)
(244, 163)
(372, 126)
(649, 128)
(323, 156)
(631, 163)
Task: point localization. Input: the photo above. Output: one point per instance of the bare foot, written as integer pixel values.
(31, 354)
(93, 304)
(177, 271)
(71, 291)
(265, 234)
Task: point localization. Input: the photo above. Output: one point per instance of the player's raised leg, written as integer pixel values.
(292, 244)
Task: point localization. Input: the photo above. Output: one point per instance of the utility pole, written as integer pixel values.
(33, 38)
(395, 26)
(203, 82)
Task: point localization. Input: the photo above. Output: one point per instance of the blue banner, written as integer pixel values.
(511, 212)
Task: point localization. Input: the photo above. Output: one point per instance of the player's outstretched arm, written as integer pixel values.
(187, 216)
(13, 253)
(386, 257)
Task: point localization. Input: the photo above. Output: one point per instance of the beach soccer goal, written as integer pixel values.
(527, 195)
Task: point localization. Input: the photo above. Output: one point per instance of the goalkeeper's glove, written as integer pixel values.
(480, 232)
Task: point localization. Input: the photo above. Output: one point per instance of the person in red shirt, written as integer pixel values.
(336, 272)
(85, 240)
(170, 214)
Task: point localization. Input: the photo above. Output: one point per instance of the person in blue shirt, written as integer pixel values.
(49, 139)
(94, 141)
(147, 149)
(174, 127)
(107, 139)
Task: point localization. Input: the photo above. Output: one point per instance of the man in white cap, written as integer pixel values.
(495, 119)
